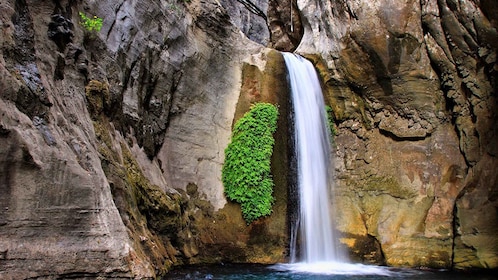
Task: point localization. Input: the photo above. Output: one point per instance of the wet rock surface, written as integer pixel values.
(413, 88)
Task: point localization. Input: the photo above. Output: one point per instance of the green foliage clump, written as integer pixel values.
(331, 121)
(91, 24)
(246, 172)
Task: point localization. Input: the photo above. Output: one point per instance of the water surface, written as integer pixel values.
(291, 271)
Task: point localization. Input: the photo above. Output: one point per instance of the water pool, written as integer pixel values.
(292, 271)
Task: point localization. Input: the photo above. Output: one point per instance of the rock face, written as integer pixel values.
(413, 87)
(111, 142)
(273, 23)
(251, 17)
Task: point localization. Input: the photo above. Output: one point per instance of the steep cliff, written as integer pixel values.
(413, 87)
(112, 141)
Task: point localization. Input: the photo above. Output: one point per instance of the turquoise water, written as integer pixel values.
(278, 272)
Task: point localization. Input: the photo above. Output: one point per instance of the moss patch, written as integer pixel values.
(162, 211)
(154, 219)
(98, 97)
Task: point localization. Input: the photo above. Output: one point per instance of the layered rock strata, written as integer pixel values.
(413, 87)
(112, 140)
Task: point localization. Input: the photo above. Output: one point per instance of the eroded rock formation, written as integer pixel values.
(413, 86)
(112, 141)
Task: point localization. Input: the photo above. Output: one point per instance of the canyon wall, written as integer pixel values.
(413, 87)
(112, 141)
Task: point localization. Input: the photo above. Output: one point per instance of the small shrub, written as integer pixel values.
(246, 172)
(91, 24)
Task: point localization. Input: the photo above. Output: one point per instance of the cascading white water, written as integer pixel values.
(319, 253)
(312, 144)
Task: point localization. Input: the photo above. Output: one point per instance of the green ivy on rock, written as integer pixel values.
(246, 171)
(331, 121)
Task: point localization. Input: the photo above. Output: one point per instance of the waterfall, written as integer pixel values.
(317, 246)
(312, 145)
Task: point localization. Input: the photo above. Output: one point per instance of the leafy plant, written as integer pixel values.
(331, 121)
(91, 24)
(246, 172)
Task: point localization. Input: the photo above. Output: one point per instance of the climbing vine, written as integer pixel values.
(246, 171)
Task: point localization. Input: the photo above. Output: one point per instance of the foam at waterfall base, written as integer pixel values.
(333, 268)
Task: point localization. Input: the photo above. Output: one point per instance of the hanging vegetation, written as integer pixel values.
(331, 122)
(246, 171)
